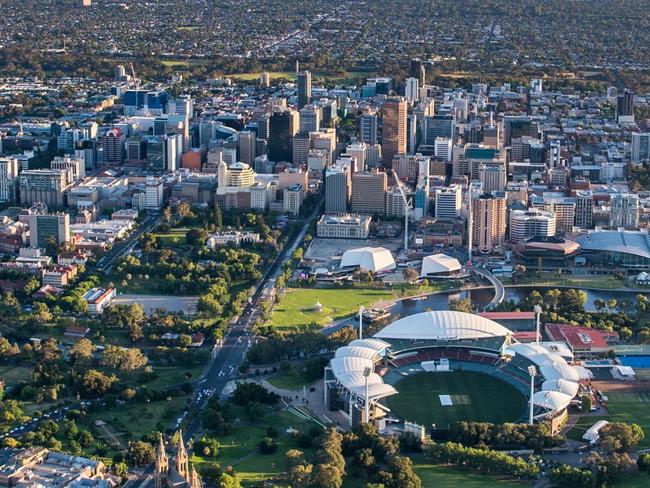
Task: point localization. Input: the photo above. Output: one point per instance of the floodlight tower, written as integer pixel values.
(532, 371)
(366, 374)
(538, 312)
(361, 310)
(407, 207)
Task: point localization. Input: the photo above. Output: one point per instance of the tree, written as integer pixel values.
(644, 336)
(585, 403)
(41, 313)
(410, 275)
(218, 218)
(620, 437)
(82, 351)
(611, 304)
(566, 476)
(268, 446)
(140, 453)
(461, 305)
(229, 481)
(95, 383)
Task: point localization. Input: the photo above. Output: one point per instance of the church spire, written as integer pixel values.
(195, 481)
(182, 466)
(161, 464)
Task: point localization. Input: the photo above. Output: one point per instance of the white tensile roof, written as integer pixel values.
(592, 433)
(553, 401)
(356, 352)
(349, 364)
(563, 386)
(375, 344)
(439, 263)
(375, 259)
(442, 325)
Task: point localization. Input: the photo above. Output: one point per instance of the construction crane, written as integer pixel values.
(407, 206)
(135, 80)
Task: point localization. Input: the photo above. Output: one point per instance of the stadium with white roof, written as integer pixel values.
(445, 341)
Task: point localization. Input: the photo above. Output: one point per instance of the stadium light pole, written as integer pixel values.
(361, 310)
(366, 373)
(538, 313)
(532, 371)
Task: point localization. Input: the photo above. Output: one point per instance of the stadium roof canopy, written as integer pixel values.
(442, 325)
(376, 344)
(551, 401)
(375, 259)
(439, 264)
(628, 242)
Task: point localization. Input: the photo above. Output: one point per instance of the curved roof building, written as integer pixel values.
(442, 326)
(439, 264)
(629, 249)
(375, 259)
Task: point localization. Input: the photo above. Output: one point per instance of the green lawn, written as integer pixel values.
(289, 380)
(629, 407)
(475, 396)
(296, 307)
(12, 375)
(588, 281)
(239, 449)
(175, 237)
(642, 481)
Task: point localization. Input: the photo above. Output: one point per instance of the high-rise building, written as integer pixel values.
(438, 126)
(488, 222)
(337, 189)
(584, 209)
(418, 71)
(75, 165)
(113, 145)
(518, 126)
(411, 90)
(368, 128)
(300, 147)
(8, 179)
(625, 108)
(293, 197)
(46, 227)
(563, 207)
(247, 147)
(448, 202)
(533, 222)
(393, 140)
(283, 125)
(369, 192)
(310, 118)
(640, 147)
(265, 79)
(442, 148)
(358, 151)
(304, 89)
(48, 186)
(493, 177)
(624, 211)
(153, 189)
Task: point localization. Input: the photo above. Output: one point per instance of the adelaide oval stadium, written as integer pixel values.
(435, 368)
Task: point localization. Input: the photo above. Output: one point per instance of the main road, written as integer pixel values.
(227, 358)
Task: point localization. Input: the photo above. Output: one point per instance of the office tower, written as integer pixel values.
(517, 126)
(300, 147)
(517, 192)
(410, 167)
(640, 147)
(625, 108)
(422, 200)
(394, 203)
(293, 197)
(461, 109)
(153, 189)
(247, 147)
(157, 102)
(418, 71)
(310, 118)
(265, 79)
(182, 105)
(337, 189)
(8, 179)
(368, 129)
(44, 185)
(438, 126)
(74, 165)
(448, 202)
(554, 153)
(624, 211)
(369, 192)
(493, 177)
(329, 112)
(488, 222)
(491, 136)
(358, 151)
(536, 86)
(411, 90)
(393, 140)
(584, 217)
(46, 227)
(120, 73)
(113, 145)
(324, 140)
(134, 100)
(412, 133)
(533, 222)
(442, 148)
(373, 155)
(563, 207)
(283, 125)
(304, 89)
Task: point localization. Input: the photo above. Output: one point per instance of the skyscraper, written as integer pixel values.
(247, 146)
(625, 108)
(8, 179)
(368, 128)
(625, 211)
(584, 217)
(438, 126)
(113, 144)
(493, 177)
(304, 88)
(640, 147)
(369, 192)
(489, 222)
(531, 223)
(393, 139)
(411, 90)
(310, 119)
(418, 71)
(448, 201)
(283, 125)
(337, 189)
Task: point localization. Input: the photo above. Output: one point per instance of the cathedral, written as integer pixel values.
(176, 474)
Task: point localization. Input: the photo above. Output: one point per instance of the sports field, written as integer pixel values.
(445, 398)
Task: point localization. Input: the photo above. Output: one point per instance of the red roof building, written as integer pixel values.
(583, 341)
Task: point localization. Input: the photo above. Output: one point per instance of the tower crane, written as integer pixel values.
(407, 207)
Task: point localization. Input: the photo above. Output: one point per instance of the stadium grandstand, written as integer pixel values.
(443, 341)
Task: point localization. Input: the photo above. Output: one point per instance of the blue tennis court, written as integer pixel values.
(635, 361)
